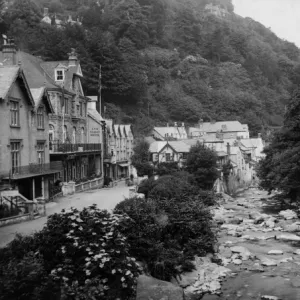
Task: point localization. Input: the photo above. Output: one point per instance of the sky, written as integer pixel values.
(282, 16)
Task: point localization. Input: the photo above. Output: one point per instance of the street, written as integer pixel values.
(105, 199)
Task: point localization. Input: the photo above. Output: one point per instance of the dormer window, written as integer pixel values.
(59, 75)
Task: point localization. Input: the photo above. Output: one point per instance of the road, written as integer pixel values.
(104, 198)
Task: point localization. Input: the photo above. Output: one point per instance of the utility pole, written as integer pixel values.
(99, 102)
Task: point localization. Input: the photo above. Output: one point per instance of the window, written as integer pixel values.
(168, 156)
(74, 135)
(155, 157)
(77, 106)
(82, 135)
(59, 75)
(51, 136)
(184, 155)
(81, 109)
(41, 152)
(15, 156)
(65, 133)
(14, 113)
(40, 118)
(66, 106)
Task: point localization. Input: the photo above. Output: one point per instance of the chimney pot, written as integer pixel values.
(259, 135)
(182, 124)
(228, 149)
(9, 51)
(46, 11)
(73, 57)
(175, 124)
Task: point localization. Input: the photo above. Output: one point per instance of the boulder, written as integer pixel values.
(267, 262)
(266, 297)
(225, 252)
(154, 289)
(237, 262)
(297, 252)
(295, 227)
(288, 237)
(243, 252)
(204, 279)
(275, 252)
(288, 214)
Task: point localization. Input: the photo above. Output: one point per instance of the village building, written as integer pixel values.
(170, 132)
(222, 130)
(68, 125)
(168, 151)
(119, 150)
(55, 21)
(24, 147)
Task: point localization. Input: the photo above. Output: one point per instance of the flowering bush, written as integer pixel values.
(85, 253)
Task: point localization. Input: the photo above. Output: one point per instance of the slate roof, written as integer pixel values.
(8, 76)
(171, 131)
(95, 115)
(50, 66)
(179, 146)
(248, 143)
(127, 129)
(37, 95)
(225, 126)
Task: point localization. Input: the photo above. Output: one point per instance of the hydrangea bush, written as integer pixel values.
(93, 259)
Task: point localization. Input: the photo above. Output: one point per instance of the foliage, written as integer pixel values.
(168, 234)
(166, 60)
(140, 158)
(202, 163)
(80, 253)
(166, 168)
(280, 168)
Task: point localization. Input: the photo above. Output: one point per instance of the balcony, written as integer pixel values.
(32, 170)
(56, 147)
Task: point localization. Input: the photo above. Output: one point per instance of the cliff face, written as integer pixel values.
(168, 60)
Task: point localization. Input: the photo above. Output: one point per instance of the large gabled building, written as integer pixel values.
(68, 127)
(24, 147)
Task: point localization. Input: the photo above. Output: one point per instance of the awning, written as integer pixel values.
(123, 165)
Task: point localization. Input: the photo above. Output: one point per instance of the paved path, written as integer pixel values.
(104, 198)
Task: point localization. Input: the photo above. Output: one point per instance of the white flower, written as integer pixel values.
(88, 272)
(74, 224)
(79, 220)
(80, 228)
(65, 279)
(104, 280)
(94, 233)
(101, 265)
(87, 259)
(88, 249)
(127, 272)
(72, 217)
(59, 269)
(113, 271)
(122, 279)
(124, 285)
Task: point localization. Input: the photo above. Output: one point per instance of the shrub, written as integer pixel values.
(167, 234)
(166, 168)
(82, 253)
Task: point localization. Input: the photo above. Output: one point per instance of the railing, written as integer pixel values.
(58, 147)
(37, 169)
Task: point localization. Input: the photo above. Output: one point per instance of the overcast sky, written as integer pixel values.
(281, 15)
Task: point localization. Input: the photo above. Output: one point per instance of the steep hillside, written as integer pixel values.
(167, 60)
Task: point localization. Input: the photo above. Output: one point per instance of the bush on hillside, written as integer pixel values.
(167, 234)
(82, 252)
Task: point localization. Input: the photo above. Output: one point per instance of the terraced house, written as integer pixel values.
(117, 157)
(68, 121)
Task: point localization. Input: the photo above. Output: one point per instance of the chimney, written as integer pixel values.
(228, 149)
(167, 124)
(92, 104)
(259, 135)
(73, 58)
(46, 11)
(182, 124)
(175, 124)
(9, 51)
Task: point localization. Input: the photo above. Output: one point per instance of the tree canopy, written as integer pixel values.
(166, 60)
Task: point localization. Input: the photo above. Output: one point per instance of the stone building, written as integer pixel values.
(67, 135)
(24, 146)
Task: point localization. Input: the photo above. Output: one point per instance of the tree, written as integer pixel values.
(281, 168)
(140, 158)
(202, 163)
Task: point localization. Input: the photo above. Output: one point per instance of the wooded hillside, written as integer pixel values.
(166, 60)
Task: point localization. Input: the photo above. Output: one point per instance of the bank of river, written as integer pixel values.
(261, 246)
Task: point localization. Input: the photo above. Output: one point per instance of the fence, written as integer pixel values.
(88, 185)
